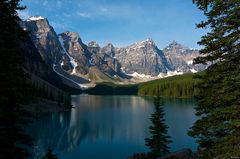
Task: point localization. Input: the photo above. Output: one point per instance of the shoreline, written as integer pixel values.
(42, 106)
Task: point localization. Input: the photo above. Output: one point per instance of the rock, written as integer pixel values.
(144, 58)
(93, 47)
(103, 60)
(109, 50)
(68, 53)
(181, 58)
(181, 154)
(46, 41)
(79, 52)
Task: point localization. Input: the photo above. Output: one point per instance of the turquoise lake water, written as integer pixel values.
(109, 127)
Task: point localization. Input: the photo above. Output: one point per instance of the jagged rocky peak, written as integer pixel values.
(109, 50)
(45, 39)
(72, 43)
(145, 43)
(148, 41)
(71, 36)
(78, 51)
(35, 18)
(93, 47)
(93, 44)
(109, 47)
(143, 58)
(36, 24)
(175, 44)
(177, 48)
(181, 57)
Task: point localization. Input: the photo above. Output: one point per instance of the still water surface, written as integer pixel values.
(107, 127)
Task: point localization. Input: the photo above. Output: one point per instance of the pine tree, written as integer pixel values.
(218, 98)
(13, 87)
(50, 155)
(159, 140)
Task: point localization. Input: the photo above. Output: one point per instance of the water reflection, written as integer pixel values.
(103, 126)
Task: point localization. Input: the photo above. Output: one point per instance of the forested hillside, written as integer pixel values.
(182, 86)
(113, 89)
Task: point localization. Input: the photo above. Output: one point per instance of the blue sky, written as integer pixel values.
(122, 22)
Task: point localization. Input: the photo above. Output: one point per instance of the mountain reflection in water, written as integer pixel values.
(103, 126)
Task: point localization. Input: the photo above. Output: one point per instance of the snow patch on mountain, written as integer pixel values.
(82, 86)
(91, 62)
(145, 77)
(62, 63)
(190, 62)
(135, 74)
(142, 44)
(169, 74)
(73, 71)
(72, 61)
(35, 18)
(193, 70)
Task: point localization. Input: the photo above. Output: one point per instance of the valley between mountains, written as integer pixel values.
(82, 65)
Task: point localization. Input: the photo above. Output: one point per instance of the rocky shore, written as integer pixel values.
(181, 154)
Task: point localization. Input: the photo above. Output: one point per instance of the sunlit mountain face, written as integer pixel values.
(83, 65)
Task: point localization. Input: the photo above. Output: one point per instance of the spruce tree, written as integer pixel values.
(13, 86)
(218, 98)
(50, 155)
(158, 140)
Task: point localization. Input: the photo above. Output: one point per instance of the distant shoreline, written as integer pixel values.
(41, 106)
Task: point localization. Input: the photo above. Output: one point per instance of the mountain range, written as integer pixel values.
(83, 65)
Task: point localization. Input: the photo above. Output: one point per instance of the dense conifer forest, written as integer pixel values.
(182, 86)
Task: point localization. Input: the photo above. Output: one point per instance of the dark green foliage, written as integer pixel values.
(50, 155)
(16, 86)
(113, 89)
(14, 89)
(47, 91)
(218, 131)
(182, 86)
(159, 140)
(223, 19)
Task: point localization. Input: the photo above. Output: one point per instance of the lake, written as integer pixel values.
(109, 127)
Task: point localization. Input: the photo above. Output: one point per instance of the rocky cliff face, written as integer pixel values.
(71, 58)
(144, 58)
(50, 48)
(87, 56)
(77, 51)
(109, 49)
(46, 41)
(39, 70)
(103, 60)
(93, 47)
(181, 57)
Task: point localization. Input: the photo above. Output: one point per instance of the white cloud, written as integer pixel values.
(104, 10)
(83, 14)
